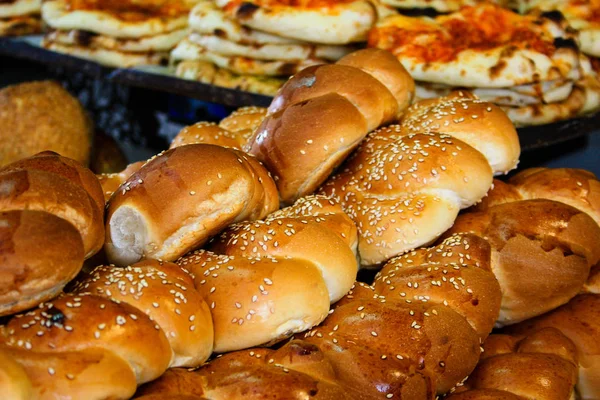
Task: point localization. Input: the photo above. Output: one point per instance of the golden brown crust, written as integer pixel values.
(40, 254)
(111, 182)
(182, 197)
(41, 116)
(208, 133)
(245, 119)
(13, 380)
(36, 189)
(543, 251)
(321, 114)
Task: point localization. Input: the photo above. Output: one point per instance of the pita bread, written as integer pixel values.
(19, 8)
(187, 50)
(209, 73)
(483, 46)
(206, 18)
(58, 15)
(159, 43)
(318, 21)
(110, 58)
(582, 15)
(19, 26)
(282, 52)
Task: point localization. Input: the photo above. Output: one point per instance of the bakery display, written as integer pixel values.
(116, 33)
(20, 17)
(406, 183)
(39, 116)
(323, 113)
(373, 345)
(555, 356)
(255, 46)
(54, 205)
(175, 202)
(528, 65)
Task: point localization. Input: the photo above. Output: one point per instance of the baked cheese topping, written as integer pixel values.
(473, 28)
(133, 10)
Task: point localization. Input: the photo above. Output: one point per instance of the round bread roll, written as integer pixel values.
(245, 119)
(110, 182)
(181, 198)
(52, 162)
(542, 253)
(36, 189)
(207, 133)
(40, 116)
(40, 254)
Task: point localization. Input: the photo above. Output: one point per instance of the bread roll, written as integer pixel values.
(110, 182)
(181, 198)
(38, 116)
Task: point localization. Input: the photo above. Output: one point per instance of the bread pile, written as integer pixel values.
(116, 33)
(20, 17)
(255, 46)
(530, 65)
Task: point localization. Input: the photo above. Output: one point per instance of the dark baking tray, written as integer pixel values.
(160, 79)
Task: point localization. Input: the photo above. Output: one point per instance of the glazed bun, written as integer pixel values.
(207, 133)
(38, 116)
(111, 182)
(181, 198)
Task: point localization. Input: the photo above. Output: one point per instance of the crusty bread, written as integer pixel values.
(182, 197)
(321, 114)
(378, 342)
(40, 116)
(111, 182)
(266, 280)
(208, 133)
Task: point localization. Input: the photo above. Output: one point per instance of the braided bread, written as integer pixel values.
(54, 205)
(403, 189)
(233, 131)
(543, 358)
(266, 280)
(120, 327)
(180, 198)
(542, 249)
(322, 113)
(379, 342)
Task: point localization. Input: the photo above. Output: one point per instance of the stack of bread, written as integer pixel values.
(257, 45)
(20, 17)
(529, 65)
(116, 33)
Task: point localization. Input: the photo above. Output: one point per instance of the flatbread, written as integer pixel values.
(19, 26)
(109, 58)
(282, 52)
(583, 15)
(159, 43)
(209, 73)
(318, 21)
(187, 50)
(590, 84)
(206, 18)
(483, 46)
(20, 7)
(536, 93)
(59, 14)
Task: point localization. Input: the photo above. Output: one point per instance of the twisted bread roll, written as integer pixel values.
(379, 342)
(321, 114)
(542, 249)
(233, 131)
(53, 205)
(180, 198)
(266, 280)
(403, 189)
(111, 182)
(543, 358)
(136, 322)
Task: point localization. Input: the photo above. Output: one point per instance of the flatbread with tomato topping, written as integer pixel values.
(318, 21)
(483, 46)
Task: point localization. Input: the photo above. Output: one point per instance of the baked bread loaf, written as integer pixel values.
(406, 183)
(321, 115)
(542, 249)
(120, 328)
(554, 356)
(268, 279)
(182, 197)
(39, 116)
(51, 212)
(379, 342)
